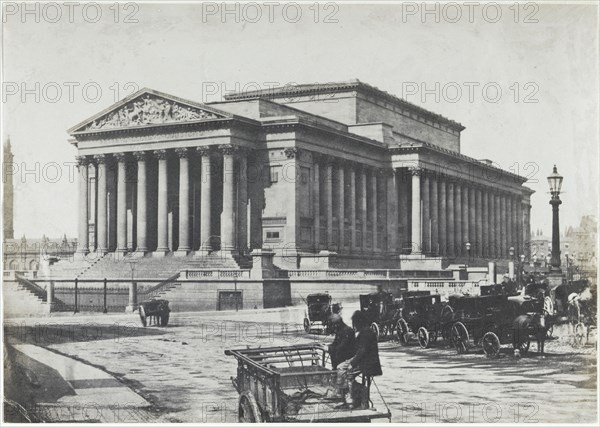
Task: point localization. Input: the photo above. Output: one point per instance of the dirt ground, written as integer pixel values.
(183, 371)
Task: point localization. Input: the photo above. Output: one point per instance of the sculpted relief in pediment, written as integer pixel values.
(149, 110)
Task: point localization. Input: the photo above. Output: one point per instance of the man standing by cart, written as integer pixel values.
(365, 361)
(343, 346)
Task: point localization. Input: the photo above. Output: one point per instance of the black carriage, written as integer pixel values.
(491, 321)
(382, 311)
(318, 313)
(155, 310)
(290, 384)
(425, 316)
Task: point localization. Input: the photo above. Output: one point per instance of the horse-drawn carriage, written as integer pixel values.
(425, 316)
(290, 384)
(156, 310)
(494, 320)
(382, 312)
(318, 313)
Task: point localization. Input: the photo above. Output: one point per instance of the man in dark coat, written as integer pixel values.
(366, 359)
(344, 343)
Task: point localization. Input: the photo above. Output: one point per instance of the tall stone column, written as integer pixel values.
(458, 243)
(83, 238)
(102, 226)
(450, 242)
(228, 215)
(340, 206)
(352, 206)
(434, 206)
(479, 223)
(512, 220)
(363, 207)
(392, 211)
(316, 203)
(373, 209)
(503, 230)
(465, 219)
(163, 203)
(184, 201)
(206, 199)
(485, 223)
(329, 203)
(442, 217)
(416, 231)
(121, 202)
(519, 226)
(242, 208)
(403, 208)
(426, 224)
(472, 234)
(498, 222)
(142, 210)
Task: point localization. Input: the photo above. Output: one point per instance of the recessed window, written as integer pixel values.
(272, 234)
(274, 174)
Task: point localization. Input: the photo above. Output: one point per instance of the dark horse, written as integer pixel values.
(526, 326)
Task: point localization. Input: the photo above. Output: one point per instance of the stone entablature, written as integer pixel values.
(223, 182)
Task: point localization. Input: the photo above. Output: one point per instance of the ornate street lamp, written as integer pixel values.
(468, 247)
(555, 183)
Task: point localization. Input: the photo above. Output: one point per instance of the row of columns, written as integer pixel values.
(456, 212)
(364, 201)
(231, 184)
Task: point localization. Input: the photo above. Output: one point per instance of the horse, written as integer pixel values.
(529, 325)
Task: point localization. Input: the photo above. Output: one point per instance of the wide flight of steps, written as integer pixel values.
(117, 267)
(23, 298)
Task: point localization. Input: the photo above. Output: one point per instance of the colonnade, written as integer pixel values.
(234, 197)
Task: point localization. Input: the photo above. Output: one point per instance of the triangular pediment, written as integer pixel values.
(148, 108)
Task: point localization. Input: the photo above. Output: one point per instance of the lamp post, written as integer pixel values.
(511, 263)
(567, 260)
(132, 305)
(534, 264)
(555, 183)
(520, 271)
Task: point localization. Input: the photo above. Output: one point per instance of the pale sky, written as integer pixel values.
(184, 50)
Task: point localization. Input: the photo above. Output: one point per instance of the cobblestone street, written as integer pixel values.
(183, 372)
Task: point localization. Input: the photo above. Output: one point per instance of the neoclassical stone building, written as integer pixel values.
(339, 168)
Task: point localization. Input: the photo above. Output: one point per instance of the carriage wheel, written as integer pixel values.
(460, 337)
(491, 344)
(375, 328)
(423, 337)
(306, 325)
(164, 319)
(248, 411)
(523, 347)
(143, 315)
(402, 331)
(579, 334)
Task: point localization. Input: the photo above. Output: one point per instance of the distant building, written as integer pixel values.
(7, 183)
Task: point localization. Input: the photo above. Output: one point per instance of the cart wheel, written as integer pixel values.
(143, 315)
(248, 411)
(402, 331)
(423, 337)
(491, 344)
(523, 347)
(460, 337)
(375, 328)
(306, 325)
(164, 319)
(579, 334)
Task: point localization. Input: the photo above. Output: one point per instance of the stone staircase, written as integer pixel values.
(117, 266)
(24, 298)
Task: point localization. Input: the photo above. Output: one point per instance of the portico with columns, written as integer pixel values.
(164, 176)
